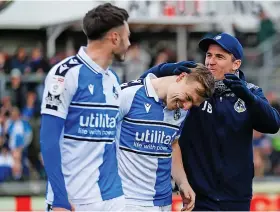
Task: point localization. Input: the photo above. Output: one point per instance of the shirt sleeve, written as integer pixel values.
(58, 92)
(126, 97)
(51, 154)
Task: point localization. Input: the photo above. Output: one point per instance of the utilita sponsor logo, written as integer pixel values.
(154, 136)
(98, 120)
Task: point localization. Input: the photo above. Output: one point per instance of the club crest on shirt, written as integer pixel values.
(115, 92)
(177, 114)
(239, 106)
(52, 102)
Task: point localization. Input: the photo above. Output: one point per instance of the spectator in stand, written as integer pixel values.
(4, 68)
(137, 61)
(6, 106)
(20, 61)
(6, 159)
(262, 150)
(275, 155)
(6, 164)
(266, 27)
(29, 109)
(18, 90)
(40, 66)
(164, 55)
(161, 57)
(59, 56)
(19, 137)
(38, 63)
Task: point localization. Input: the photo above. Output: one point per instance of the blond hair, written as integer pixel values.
(203, 76)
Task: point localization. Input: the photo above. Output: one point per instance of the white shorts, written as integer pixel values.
(115, 204)
(129, 207)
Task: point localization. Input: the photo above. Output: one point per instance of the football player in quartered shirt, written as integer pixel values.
(79, 111)
(152, 112)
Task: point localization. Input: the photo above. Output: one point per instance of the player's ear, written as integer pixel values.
(236, 65)
(115, 37)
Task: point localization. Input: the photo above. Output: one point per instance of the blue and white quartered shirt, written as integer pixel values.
(145, 134)
(20, 133)
(87, 97)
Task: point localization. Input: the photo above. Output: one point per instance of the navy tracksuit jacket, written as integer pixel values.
(216, 145)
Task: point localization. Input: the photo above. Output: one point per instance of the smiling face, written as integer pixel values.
(220, 62)
(190, 89)
(184, 95)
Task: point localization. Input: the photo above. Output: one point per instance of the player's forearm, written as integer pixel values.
(51, 129)
(177, 169)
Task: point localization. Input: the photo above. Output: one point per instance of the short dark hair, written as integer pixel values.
(98, 21)
(202, 75)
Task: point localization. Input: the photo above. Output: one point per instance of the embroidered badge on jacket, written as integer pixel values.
(239, 106)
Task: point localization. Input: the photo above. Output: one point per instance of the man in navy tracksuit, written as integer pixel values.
(216, 140)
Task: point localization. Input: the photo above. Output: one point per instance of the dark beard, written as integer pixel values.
(118, 58)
